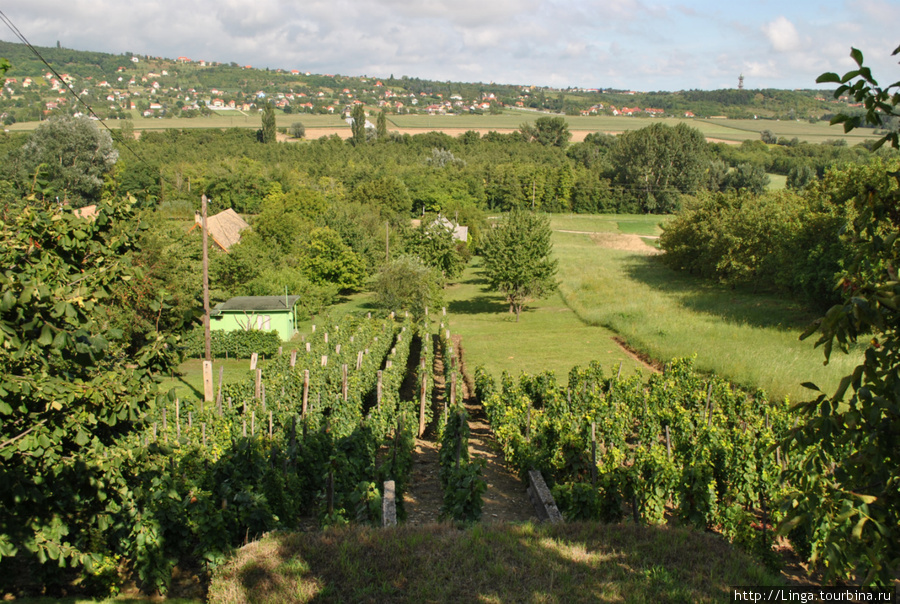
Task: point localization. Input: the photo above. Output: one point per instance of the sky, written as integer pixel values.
(621, 44)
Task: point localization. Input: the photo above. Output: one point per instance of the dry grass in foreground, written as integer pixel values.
(577, 562)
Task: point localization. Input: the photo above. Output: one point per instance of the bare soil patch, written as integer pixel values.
(628, 243)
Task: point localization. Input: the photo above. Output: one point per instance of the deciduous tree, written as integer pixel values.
(72, 155)
(267, 134)
(548, 131)
(659, 163)
(69, 388)
(517, 258)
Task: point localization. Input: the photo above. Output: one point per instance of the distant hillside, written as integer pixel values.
(132, 85)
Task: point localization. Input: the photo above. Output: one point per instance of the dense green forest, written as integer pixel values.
(321, 210)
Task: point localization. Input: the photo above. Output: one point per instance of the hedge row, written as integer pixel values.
(233, 344)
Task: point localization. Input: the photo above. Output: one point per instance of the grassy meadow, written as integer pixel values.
(750, 338)
(572, 562)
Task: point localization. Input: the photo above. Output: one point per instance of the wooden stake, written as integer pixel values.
(378, 390)
(254, 359)
(207, 383)
(452, 388)
(293, 358)
(668, 443)
(305, 390)
(219, 394)
(422, 405)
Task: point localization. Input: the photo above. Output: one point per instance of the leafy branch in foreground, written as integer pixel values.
(846, 485)
(880, 103)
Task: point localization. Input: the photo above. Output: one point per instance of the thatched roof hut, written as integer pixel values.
(224, 228)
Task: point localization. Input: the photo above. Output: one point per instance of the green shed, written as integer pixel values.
(266, 313)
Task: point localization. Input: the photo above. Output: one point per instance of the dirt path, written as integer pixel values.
(424, 497)
(505, 499)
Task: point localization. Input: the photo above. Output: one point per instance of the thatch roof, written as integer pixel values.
(256, 304)
(224, 228)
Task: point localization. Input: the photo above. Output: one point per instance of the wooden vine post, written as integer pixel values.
(305, 391)
(207, 344)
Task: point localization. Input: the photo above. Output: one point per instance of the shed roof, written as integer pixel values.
(256, 304)
(224, 228)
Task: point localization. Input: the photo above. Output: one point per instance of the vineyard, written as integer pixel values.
(310, 439)
(680, 446)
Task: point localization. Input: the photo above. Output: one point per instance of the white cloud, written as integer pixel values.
(782, 34)
(637, 44)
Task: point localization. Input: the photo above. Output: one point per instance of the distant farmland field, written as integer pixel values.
(725, 130)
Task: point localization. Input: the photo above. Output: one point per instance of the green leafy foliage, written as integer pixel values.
(680, 444)
(433, 242)
(844, 497)
(778, 241)
(548, 131)
(406, 283)
(328, 260)
(72, 155)
(267, 134)
(70, 390)
(659, 163)
(880, 103)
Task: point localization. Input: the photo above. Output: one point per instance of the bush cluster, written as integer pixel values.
(778, 241)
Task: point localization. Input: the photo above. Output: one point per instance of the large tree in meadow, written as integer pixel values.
(517, 258)
(548, 131)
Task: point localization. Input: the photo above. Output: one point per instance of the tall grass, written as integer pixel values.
(750, 338)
